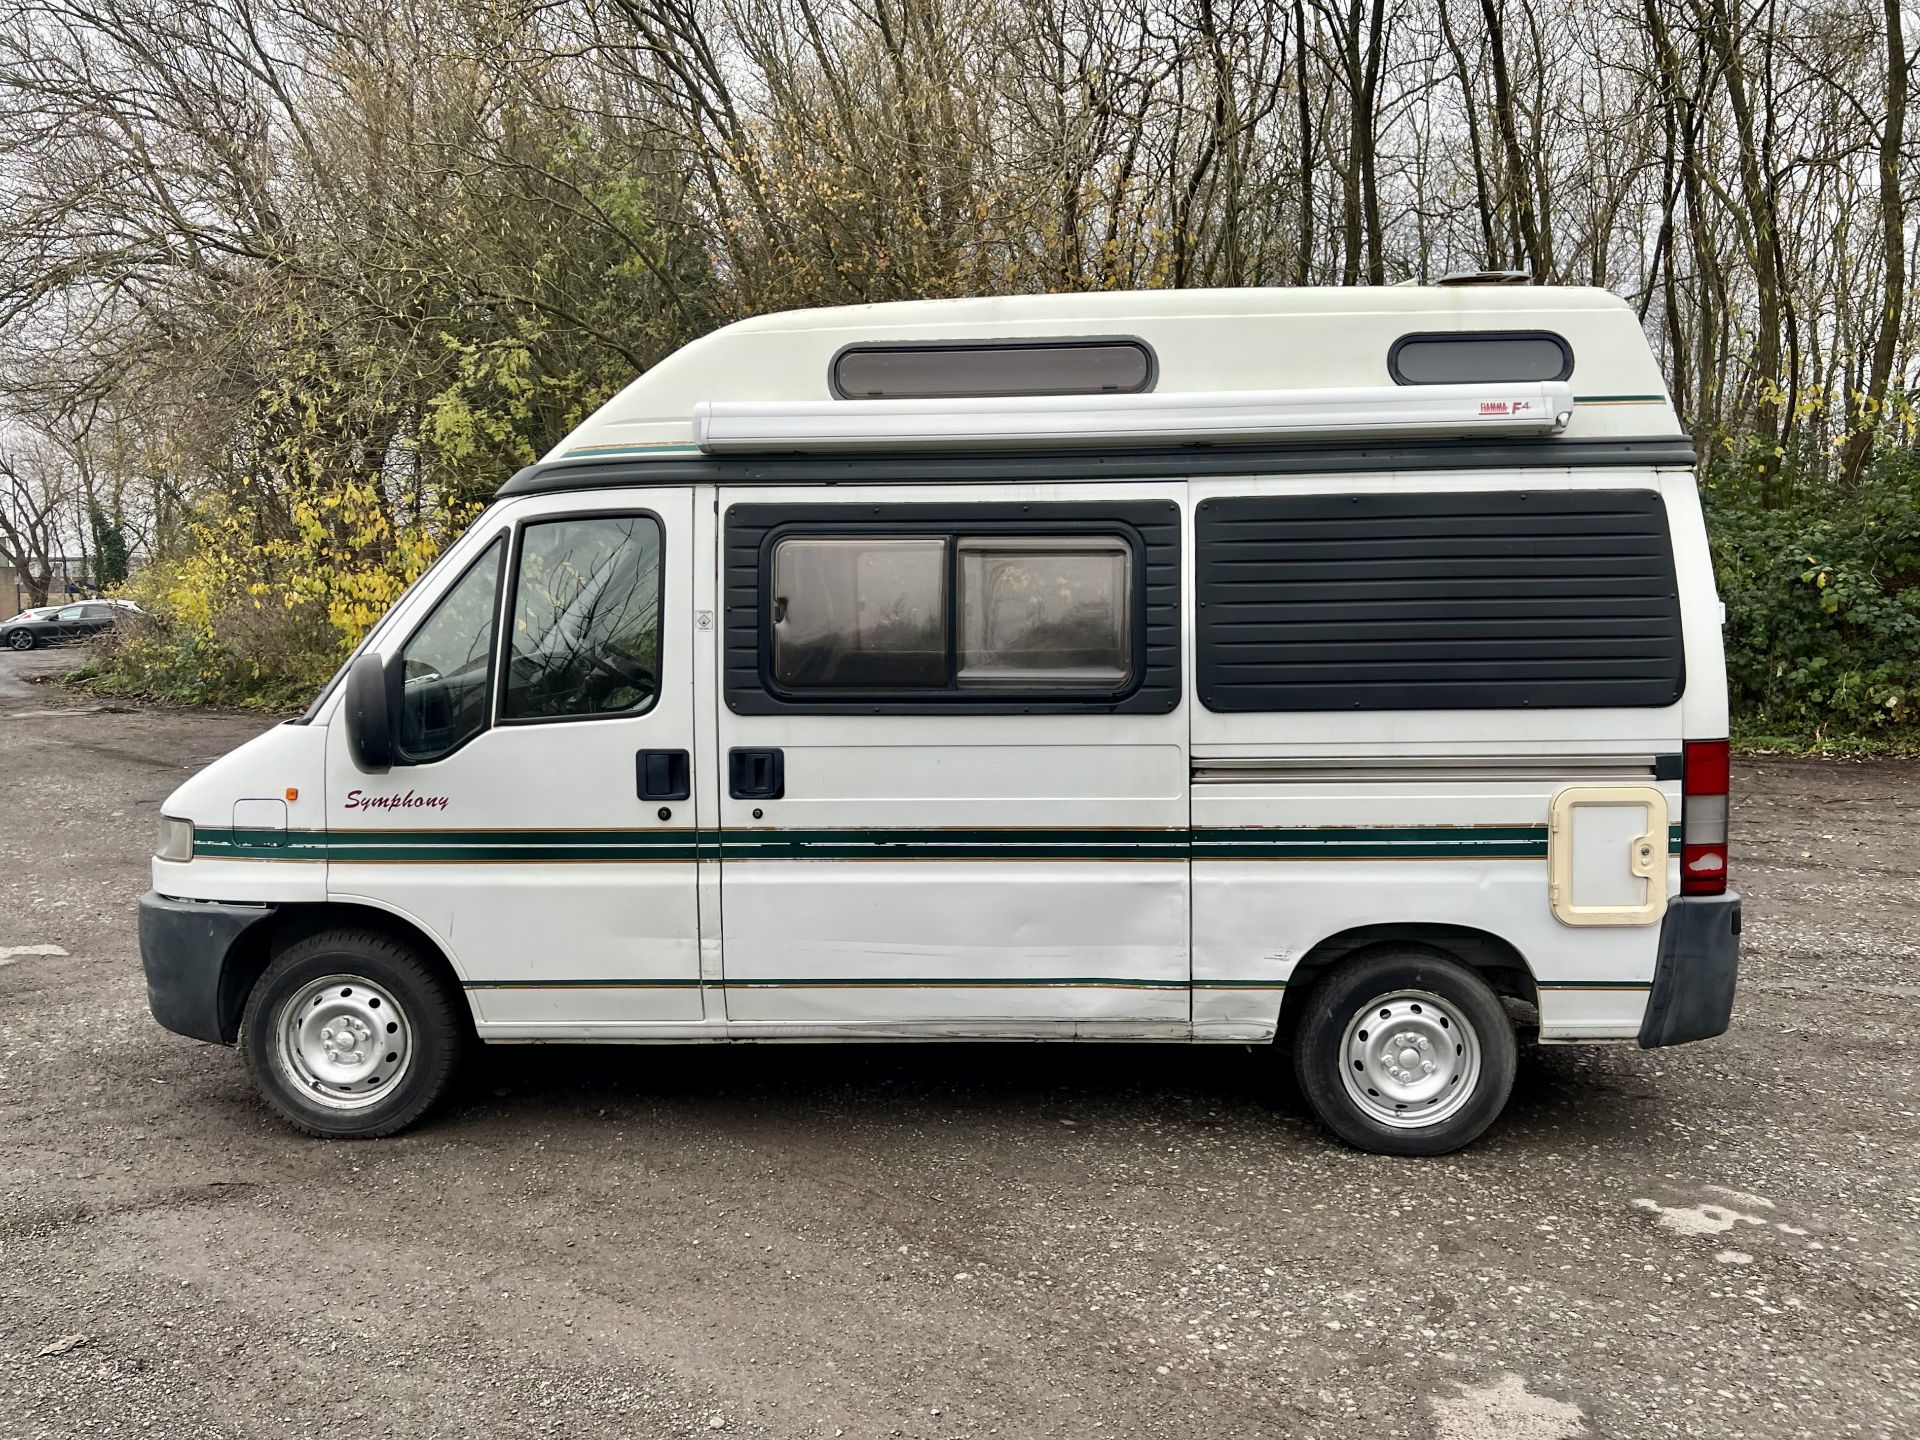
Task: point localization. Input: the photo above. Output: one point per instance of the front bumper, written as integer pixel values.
(1693, 980)
(185, 946)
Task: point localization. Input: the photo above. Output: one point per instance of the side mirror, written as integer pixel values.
(369, 720)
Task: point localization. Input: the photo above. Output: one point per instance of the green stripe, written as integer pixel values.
(954, 844)
(691, 984)
(960, 982)
(1488, 842)
(1451, 842)
(880, 982)
(1619, 399)
(953, 982)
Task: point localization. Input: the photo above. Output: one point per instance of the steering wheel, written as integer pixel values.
(627, 672)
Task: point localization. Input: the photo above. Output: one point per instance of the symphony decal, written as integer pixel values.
(360, 800)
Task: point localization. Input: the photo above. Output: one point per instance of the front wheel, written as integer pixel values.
(20, 640)
(1405, 1052)
(352, 1035)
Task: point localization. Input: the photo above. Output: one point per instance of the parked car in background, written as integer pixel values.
(49, 625)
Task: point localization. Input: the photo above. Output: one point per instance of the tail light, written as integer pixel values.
(1703, 819)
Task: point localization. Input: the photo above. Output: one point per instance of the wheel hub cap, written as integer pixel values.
(344, 1042)
(1410, 1059)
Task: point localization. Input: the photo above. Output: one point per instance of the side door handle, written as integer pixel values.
(664, 775)
(756, 774)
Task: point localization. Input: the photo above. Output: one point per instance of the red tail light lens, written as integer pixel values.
(1703, 818)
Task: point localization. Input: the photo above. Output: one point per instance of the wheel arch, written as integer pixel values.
(1494, 958)
(255, 948)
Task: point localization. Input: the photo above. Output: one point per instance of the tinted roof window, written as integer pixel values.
(1467, 358)
(922, 372)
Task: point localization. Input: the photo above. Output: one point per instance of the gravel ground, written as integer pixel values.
(1715, 1240)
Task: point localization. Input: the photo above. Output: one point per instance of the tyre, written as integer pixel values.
(1405, 1052)
(351, 1034)
(20, 640)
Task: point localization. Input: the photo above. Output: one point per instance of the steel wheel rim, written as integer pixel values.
(344, 1042)
(1410, 1059)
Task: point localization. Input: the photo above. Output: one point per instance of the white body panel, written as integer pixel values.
(1255, 919)
(1206, 342)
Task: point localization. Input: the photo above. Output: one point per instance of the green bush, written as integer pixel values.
(1823, 608)
(266, 657)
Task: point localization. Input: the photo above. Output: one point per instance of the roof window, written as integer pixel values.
(961, 369)
(1478, 357)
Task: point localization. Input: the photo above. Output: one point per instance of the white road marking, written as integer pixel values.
(11, 953)
(1711, 1218)
(1705, 1218)
(1743, 1197)
(1505, 1408)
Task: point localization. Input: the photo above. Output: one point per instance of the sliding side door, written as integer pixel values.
(954, 731)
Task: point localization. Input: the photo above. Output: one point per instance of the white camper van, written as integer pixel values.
(1335, 670)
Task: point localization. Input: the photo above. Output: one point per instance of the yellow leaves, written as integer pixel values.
(347, 555)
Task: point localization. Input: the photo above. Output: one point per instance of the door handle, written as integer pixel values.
(663, 775)
(756, 774)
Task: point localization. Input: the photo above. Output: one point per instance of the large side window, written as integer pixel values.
(983, 607)
(448, 663)
(1007, 613)
(586, 619)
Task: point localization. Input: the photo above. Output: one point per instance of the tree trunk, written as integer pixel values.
(1893, 235)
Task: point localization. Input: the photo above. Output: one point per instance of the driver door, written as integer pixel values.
(545, 826)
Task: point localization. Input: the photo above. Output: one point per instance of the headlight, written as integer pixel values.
(176, 839)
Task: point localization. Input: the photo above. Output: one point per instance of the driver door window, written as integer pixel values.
(586, 619)
(447, 664)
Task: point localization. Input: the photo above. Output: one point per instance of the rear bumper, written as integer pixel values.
(1693, 980)
(184, 946)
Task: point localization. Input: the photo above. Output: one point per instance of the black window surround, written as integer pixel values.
(1133, 358)
(1491, 339)
(1494, 600)
(1151, 529)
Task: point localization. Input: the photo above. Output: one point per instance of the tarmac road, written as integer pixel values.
(1716, 1240)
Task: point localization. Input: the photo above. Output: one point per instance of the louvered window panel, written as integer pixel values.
(1486, 601)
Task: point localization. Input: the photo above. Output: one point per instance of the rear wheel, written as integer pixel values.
(20, 640)
(353, 1035)
(1405, 1052)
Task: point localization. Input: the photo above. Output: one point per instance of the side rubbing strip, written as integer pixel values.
(1505, 600)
